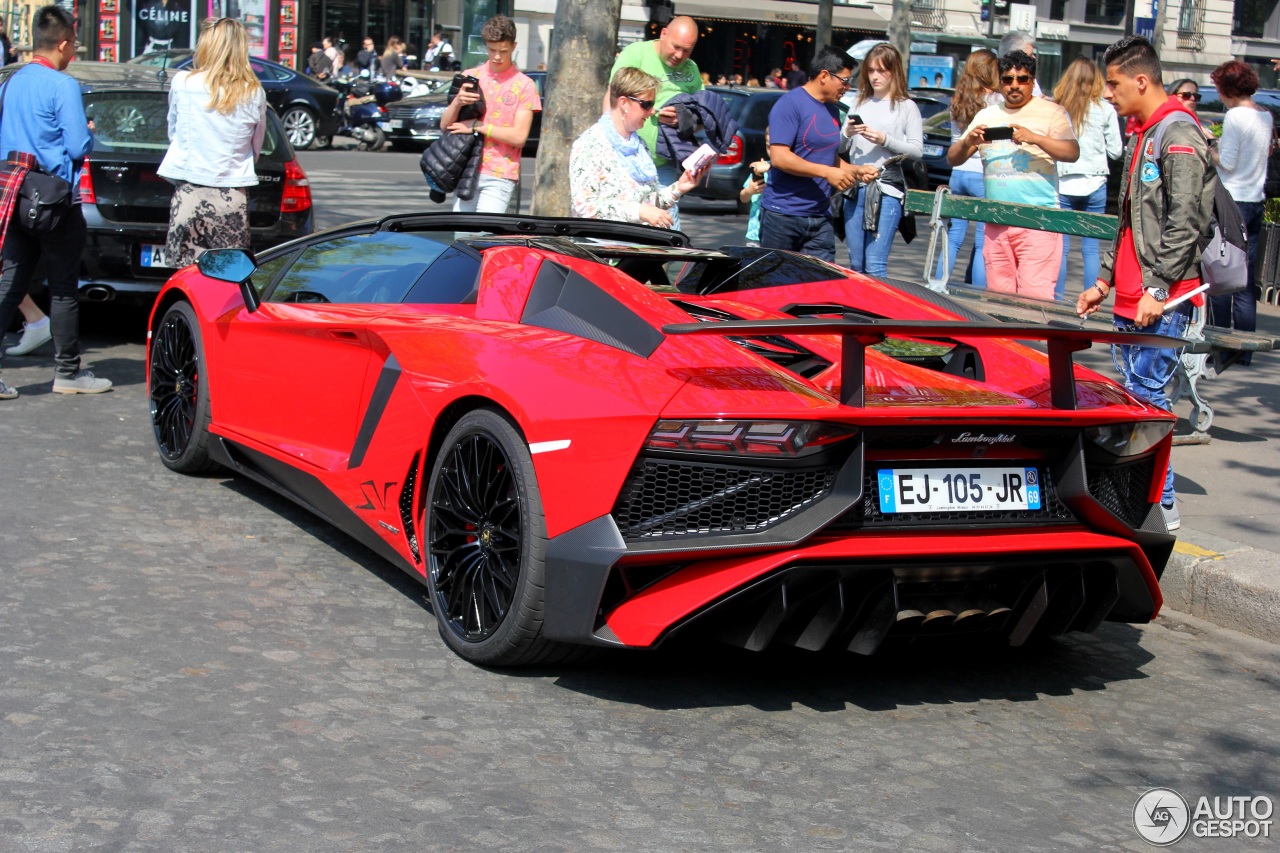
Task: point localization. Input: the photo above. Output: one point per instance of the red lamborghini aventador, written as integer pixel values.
(588, 433)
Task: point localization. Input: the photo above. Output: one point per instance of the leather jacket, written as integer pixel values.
(1168, 199)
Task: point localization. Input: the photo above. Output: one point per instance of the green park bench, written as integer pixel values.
(1210, 350)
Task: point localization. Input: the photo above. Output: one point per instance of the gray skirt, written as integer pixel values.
(203, 218)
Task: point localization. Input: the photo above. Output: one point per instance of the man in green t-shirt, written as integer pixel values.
(667, 58)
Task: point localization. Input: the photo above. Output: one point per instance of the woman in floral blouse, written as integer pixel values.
(611, 175)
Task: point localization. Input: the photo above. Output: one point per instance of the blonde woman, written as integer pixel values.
(1082, 185)
(611, 175)
(883, 121)
(217, 119)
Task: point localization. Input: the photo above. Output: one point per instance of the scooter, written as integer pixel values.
(363, 109)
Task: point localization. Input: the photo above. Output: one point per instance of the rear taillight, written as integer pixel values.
(748, 438)
(733, 156)
(297, 189)
(87, 195)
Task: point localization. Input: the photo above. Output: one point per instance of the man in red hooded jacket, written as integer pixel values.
(1166, 198)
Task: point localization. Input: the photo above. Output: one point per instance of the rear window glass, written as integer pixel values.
(752, 269)
(128, 121)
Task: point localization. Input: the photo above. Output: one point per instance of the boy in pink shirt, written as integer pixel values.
(510, 100)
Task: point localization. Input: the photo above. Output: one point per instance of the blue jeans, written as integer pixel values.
(668, 174)
(1147, 371)
(1240, 310)
(1094, 202)
(812, 235)
(970, 184)
(869, 250)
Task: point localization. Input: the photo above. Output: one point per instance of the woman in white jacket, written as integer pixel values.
(217, 121)
(1082, 185)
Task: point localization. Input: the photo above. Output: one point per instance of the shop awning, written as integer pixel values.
(782, 13)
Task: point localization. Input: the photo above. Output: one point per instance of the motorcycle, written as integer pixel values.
(362, 109)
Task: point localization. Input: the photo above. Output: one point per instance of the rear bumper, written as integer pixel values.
(854, 592)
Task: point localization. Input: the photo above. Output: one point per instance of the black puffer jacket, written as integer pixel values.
(452, 163)
(701, 111)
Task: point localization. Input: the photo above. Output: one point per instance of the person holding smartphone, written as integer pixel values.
(883, 127)
(511, 98)
(1020, 142)
(751, 192)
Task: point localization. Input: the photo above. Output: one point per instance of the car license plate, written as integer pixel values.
(397, 123)
(152, 256)
(932, 151)
(959, 489)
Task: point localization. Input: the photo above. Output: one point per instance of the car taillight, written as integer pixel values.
(748, 438)
(87, 195)
(297, 189)
(733, 156)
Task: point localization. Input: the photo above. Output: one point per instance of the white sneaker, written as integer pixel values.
(34, 336)
(7, 393)
(83, 382)
(1171, 519)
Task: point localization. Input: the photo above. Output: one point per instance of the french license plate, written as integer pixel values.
(397, 123)
(904, 490)
(932, 151)
(152, 256)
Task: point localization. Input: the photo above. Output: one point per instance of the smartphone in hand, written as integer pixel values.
(993, 133)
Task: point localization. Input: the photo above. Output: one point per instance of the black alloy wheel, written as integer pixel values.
(486, 544)
(179, 394)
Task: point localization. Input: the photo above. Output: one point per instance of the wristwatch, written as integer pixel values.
(1159, 294)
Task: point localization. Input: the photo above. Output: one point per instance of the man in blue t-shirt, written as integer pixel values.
(44, 117)
(804, 133)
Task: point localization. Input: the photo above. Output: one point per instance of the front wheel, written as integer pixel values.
(300, 126)
(487, 544)
(179, 392)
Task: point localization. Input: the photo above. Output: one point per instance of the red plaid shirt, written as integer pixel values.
(12, 173)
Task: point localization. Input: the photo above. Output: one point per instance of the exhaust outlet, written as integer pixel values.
(98, 293)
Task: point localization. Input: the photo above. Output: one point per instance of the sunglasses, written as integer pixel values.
(1021, 78)
(847, 82)
(1188, 96)
(644, 105)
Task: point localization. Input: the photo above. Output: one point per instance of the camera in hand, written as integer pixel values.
(993, 133)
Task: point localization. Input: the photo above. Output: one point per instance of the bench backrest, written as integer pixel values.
(1099, 225)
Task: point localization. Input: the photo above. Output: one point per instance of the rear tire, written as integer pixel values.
(486, 545)
(375, 144)
(300, 126)
(179, 391)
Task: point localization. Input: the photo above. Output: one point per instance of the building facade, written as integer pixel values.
(747, 37)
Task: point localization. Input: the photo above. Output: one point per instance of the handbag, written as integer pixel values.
(43, 199)
(42, 202)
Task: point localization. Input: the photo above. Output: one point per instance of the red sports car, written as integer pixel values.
(587, 433)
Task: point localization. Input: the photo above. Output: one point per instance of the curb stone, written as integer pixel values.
(1228, 584)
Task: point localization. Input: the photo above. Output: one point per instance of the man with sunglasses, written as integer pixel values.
(1020, 143)
(804, 135)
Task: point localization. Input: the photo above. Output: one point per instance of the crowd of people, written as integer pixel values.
(825, 175)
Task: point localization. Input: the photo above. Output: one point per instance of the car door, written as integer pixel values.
(296, 375)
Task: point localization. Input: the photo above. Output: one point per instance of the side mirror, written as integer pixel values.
(233, 265)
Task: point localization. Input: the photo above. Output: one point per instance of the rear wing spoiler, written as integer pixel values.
(857, 335)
